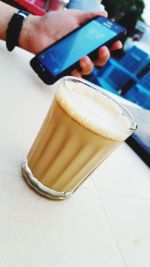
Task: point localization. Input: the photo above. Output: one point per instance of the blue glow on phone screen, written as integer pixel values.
(67, 52)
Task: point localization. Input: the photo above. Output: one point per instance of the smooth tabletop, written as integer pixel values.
(104, 224)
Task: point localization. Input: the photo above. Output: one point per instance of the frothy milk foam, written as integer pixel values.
(81, 129)
(93, 110)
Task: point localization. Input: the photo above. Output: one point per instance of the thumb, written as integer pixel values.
(83, 17)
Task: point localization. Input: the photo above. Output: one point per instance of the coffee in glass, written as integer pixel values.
(82, 128)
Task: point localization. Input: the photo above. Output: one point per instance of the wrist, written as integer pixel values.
(14, 28)
(26, 35)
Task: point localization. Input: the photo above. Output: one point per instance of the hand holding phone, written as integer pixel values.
(62, 57)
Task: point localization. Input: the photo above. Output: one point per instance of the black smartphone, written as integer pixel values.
(63, 56)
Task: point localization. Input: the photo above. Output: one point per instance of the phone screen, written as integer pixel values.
(70, 49)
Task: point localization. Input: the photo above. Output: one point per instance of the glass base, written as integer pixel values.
(41, 188)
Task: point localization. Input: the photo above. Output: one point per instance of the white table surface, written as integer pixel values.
(106, 223)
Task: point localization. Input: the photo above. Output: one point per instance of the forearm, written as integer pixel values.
(6, 12)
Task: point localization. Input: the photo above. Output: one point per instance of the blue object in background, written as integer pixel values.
(129, 76)
(139, 95)
(134, 59)
(114, 79)
(145, 80)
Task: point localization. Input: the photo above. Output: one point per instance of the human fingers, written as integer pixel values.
(103, 56)
(76, 73)
(116, 46)
(86, 65)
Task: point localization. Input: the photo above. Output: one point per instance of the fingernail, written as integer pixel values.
(104, 52)
(86, 60)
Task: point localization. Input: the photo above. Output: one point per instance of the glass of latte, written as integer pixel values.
(82, 128)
